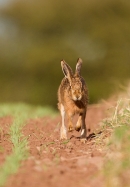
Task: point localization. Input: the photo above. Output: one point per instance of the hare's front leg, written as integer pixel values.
(63, 132)
(79, 123)
(70, 124)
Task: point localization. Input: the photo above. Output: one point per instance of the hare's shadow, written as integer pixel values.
(91, 136)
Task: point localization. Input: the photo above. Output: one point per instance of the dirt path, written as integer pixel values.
(56, 163)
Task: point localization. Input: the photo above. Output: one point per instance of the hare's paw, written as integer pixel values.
(63, 134)
(78, 125)
(70, 127)
(77, 128)
(83, 140)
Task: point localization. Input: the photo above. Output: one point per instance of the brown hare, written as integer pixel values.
(72, 99)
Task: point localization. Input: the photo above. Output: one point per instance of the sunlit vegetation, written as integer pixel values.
(115, 143)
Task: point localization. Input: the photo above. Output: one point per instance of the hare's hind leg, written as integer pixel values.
(83, 128)
(63, 132)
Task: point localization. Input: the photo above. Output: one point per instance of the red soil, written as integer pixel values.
(55, 163)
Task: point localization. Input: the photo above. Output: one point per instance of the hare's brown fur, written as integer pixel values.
(72, 99)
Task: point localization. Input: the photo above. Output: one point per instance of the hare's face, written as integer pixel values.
(76, 89)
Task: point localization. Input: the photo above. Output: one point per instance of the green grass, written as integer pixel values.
(19, 150)
(20, 112)
(116, 170)
(25, 109)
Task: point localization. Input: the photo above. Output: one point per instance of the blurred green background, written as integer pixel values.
(36, 34)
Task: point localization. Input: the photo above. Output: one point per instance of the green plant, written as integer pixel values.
(20, 112)
(19, 150)
(117, 162)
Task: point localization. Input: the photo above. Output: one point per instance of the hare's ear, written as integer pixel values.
(78, 66)
(66, 70)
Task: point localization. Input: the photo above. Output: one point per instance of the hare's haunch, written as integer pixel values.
(72, 99)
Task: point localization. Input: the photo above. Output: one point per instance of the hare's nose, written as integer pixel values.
(78, 97)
